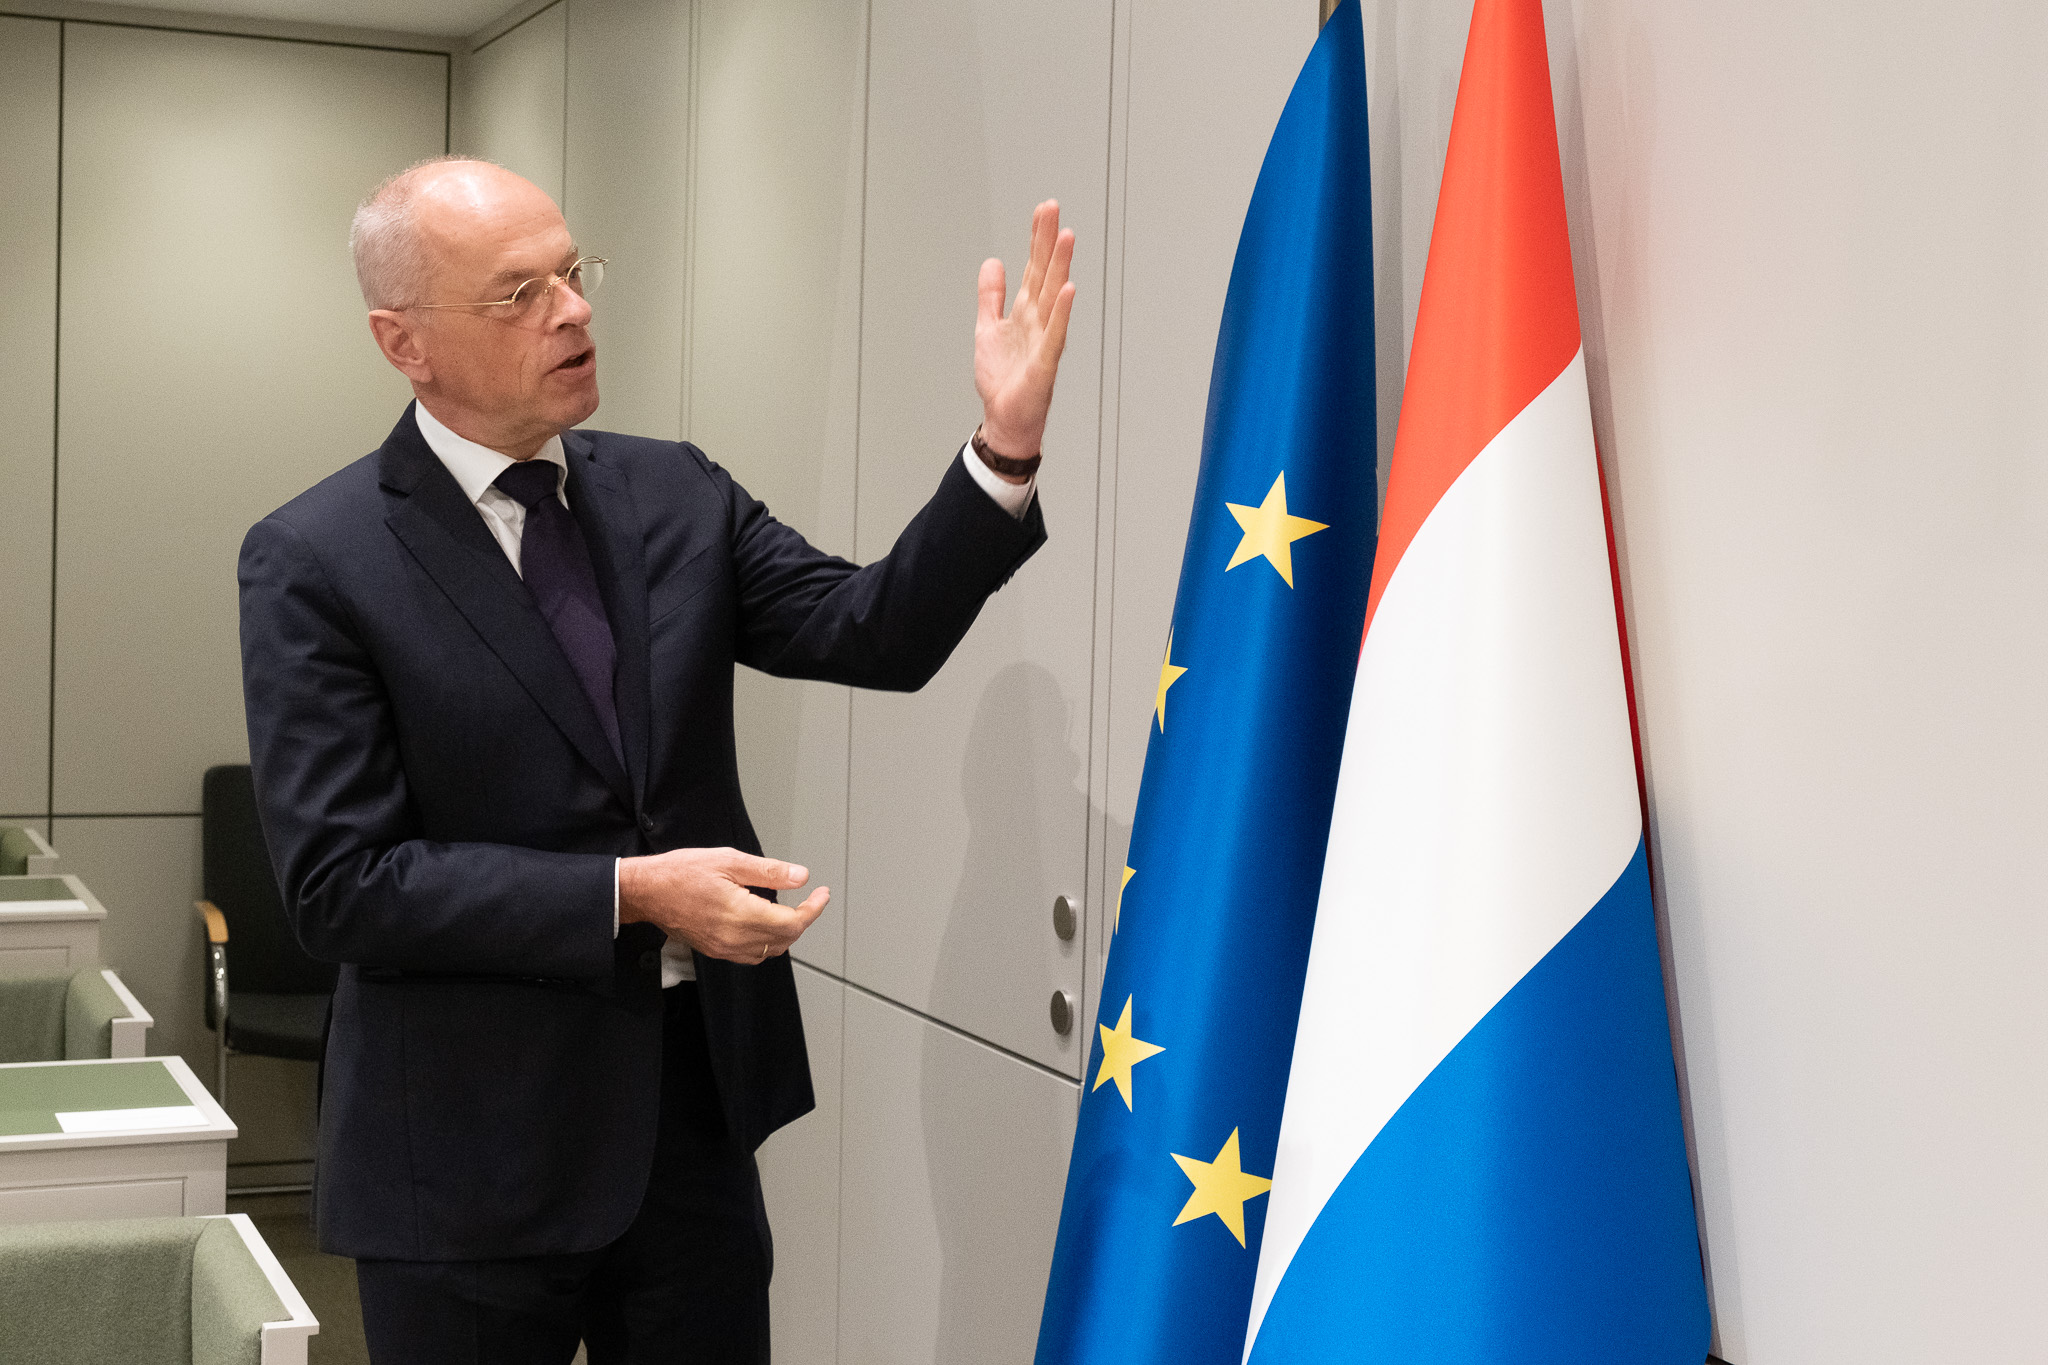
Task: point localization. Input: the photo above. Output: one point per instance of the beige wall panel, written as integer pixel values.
(29, 61)
(775, 362)
(512, 106)
(1810, 277)
(215, 363)
(954, 1161)
(626, 194)
(970, 805)
(800, 1179)
(1202, 102)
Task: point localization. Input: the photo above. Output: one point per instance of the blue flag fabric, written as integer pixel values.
(1159, 1234)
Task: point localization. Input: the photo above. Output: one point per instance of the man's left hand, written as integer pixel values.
(1016, 358)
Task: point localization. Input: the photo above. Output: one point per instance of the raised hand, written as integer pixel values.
(1016, 358)
(700, 896)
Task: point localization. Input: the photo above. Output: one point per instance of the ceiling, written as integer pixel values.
(444, 18)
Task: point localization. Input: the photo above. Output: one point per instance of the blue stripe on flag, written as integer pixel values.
(1531, 1200)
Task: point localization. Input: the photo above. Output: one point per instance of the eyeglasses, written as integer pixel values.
(530, 300)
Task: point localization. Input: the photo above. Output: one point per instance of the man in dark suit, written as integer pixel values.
(489, 676)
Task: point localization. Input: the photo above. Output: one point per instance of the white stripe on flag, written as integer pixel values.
(1487, 798)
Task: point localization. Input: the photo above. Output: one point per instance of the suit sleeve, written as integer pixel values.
(890, 625)
(358, 882)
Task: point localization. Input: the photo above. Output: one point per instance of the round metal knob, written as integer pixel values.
(1062, 1013)
(1066, 918)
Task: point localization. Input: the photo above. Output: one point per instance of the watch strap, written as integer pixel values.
(1005, 465)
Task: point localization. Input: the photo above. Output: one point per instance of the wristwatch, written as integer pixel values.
(1003, 464)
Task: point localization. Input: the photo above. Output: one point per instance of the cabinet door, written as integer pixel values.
(214, 363)
(773, 363)
(953, 1162)
(29, 59)
(969, 805)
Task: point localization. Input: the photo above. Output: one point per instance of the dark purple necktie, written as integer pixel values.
(555, 562)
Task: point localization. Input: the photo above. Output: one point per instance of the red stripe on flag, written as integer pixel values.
(1498, 318)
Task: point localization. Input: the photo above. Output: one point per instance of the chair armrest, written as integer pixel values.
(25, 853)
(131, 1030)
(102, 1018)
(238, 1285)
(216, 922)
(216, 968)
(40, 859)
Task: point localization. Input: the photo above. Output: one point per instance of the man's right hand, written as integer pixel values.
(700, 896)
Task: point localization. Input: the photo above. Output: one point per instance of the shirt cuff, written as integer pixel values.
(615, 896)
(1014, 498)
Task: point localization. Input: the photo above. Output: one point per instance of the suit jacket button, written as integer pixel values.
(650, 961)
(647, 823)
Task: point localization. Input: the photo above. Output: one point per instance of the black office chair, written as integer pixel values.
(277, 1004)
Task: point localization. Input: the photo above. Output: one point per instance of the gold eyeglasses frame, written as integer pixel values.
(573, 277)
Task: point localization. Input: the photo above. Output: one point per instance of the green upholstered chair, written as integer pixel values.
(148, 1291)
(25, 853)
(273, 1003)
(63, 1018)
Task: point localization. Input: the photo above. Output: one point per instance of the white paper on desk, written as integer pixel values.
(119, 1120)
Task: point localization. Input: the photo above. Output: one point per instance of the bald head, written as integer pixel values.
(403, 233)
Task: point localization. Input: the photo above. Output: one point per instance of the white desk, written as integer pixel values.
(110, 1138)
(49, 926)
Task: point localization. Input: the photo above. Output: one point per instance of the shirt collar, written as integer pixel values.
(475, 466)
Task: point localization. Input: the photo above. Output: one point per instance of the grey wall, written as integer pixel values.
(188, 353)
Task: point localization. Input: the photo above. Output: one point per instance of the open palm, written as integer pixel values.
(1016, 358)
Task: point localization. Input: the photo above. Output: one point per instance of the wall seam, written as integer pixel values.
(938, 1023)
(686, 397)
(1095, 854)
(227, 33)
(1115, 480)
(56, 429)
(839, 1188)
(516, 27)
(125, 814)
(568, 37)
(860, 352)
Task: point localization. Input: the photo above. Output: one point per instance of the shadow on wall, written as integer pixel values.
(1634, 130)
(998, 1131)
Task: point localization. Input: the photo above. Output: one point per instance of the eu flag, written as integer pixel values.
(1159, 1234)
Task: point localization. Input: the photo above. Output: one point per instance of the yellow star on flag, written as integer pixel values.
(1221, 1188)
(1116, 918)
(1168, 676)
(1122, 1050)
(1270, 531)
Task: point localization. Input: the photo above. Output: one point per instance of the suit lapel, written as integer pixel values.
(602, 502)
(444, 533)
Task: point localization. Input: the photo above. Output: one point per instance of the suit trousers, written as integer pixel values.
(686, 1284)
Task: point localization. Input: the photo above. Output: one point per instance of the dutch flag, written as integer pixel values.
(1481, 1157)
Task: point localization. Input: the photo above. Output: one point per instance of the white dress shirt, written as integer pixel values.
(475, 468)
